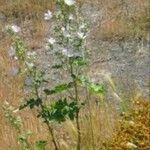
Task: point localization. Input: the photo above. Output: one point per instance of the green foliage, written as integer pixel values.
(60, 110)
(24, 140)
(93, 87)
(31, 103)
(69, 48)
(20, 48)
(79, 61)
(59, 88)
(36, 76)
(97, 88)
(11, 32)
(40, 145)
(14, 120)
(18, 43)
(57, 66)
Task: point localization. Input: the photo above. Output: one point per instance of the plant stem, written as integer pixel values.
(50, 129)
(77, 114)
(77, 119)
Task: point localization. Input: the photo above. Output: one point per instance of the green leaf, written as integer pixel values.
(94, 87)
(83, 80)
(31, 103)
(79, 61)
(20, 48)
(57, 66)
(60, 111)
(23, 139)
(40, 145)
(97, 88)
(59, 88)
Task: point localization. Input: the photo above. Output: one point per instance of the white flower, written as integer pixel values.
(71, 17)
(16, 58)
(83, 26)
(51, 41)
(66, 34)
(14, 28)
(63, 29)
(131, 145)
(67, 53)
(29, 65)
(31, 53)
(48, 15)
(69, 2)
(81, 35)
(47, 47)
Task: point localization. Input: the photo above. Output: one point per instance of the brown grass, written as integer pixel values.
(103, 120)
(27, 9)
(119, 19)
(11, 90)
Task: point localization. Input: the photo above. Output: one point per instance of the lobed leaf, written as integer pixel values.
(59, 88)
(31, 103)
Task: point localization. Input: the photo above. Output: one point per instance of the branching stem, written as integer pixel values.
(50, 129)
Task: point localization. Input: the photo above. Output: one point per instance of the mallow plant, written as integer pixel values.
(16, 122)
(67, 47)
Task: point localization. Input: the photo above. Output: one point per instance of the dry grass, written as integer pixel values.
(119, 19)
(28, 9)
(11, 90)
(98, 123)
(103, 119)
(123, 19)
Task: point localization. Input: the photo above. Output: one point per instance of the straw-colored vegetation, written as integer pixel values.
(105, 129)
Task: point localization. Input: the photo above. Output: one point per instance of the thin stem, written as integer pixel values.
(77, 114)
(77, 119)
(50, 129)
